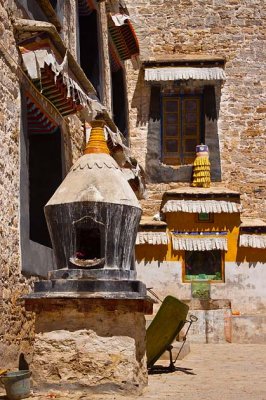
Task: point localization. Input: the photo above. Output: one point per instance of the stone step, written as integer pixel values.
(249, 328)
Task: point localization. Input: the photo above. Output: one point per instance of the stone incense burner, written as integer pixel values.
(93, 219)
(90, 310)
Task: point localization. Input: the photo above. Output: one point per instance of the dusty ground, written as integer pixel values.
(209, 372)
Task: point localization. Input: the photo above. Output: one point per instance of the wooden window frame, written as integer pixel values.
(210, 219)
(184, 280)
(180, 157)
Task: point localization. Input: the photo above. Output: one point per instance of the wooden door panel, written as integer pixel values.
(181, 129)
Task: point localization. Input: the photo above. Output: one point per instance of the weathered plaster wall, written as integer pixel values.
(243, 286)
(232, 29)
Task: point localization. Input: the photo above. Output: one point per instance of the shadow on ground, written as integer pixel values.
(162, 369)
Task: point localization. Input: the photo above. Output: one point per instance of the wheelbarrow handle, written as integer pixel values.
(193, 318)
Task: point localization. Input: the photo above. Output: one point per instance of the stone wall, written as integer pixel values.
(243, 284)
(18, 253)
(16, 330)
(231, 29)
(16, 326)
(66, 10)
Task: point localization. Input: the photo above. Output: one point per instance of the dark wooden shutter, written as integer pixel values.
(210, 102)
(155, 111)
(171, 130)
(191, 127)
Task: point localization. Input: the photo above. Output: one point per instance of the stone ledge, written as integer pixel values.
(90, 303)
(198, 304)
(249, 328)
(125, 288)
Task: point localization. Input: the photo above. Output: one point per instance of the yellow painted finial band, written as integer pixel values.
(97, 142)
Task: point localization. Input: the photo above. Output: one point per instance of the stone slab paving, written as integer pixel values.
(209, 372)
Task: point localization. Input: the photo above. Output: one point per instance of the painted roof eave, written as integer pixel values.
(26, 25)
(116, 25)
(177, 59)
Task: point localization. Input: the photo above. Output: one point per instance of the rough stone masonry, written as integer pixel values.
(16, 328)
(235, 30)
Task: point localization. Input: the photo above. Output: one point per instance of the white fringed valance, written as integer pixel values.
(35, 60)
(183, 73)
(201, 206)
(192, 243)
(255, 241)
(152, 238)
(120, 19)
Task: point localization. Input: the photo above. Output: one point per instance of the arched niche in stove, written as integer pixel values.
(89, 243)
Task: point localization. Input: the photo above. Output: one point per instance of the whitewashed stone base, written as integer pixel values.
(249, 328)
(213, 326)
(98, 350)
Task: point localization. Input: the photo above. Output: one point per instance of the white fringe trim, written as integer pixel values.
(201, 206)
(200, 244)
(255, 241)
(152, 238)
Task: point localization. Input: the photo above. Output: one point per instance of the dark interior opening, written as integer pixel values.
(33, 9)
(89, 48)
(88, 243)
(203, 265)
(45, 175)
(119, 101)
(53, 3)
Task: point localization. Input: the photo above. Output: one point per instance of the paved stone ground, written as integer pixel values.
(209, 372)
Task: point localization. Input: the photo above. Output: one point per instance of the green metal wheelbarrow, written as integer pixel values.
(164, 328)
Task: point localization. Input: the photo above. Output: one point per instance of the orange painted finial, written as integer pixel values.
(97, 142)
